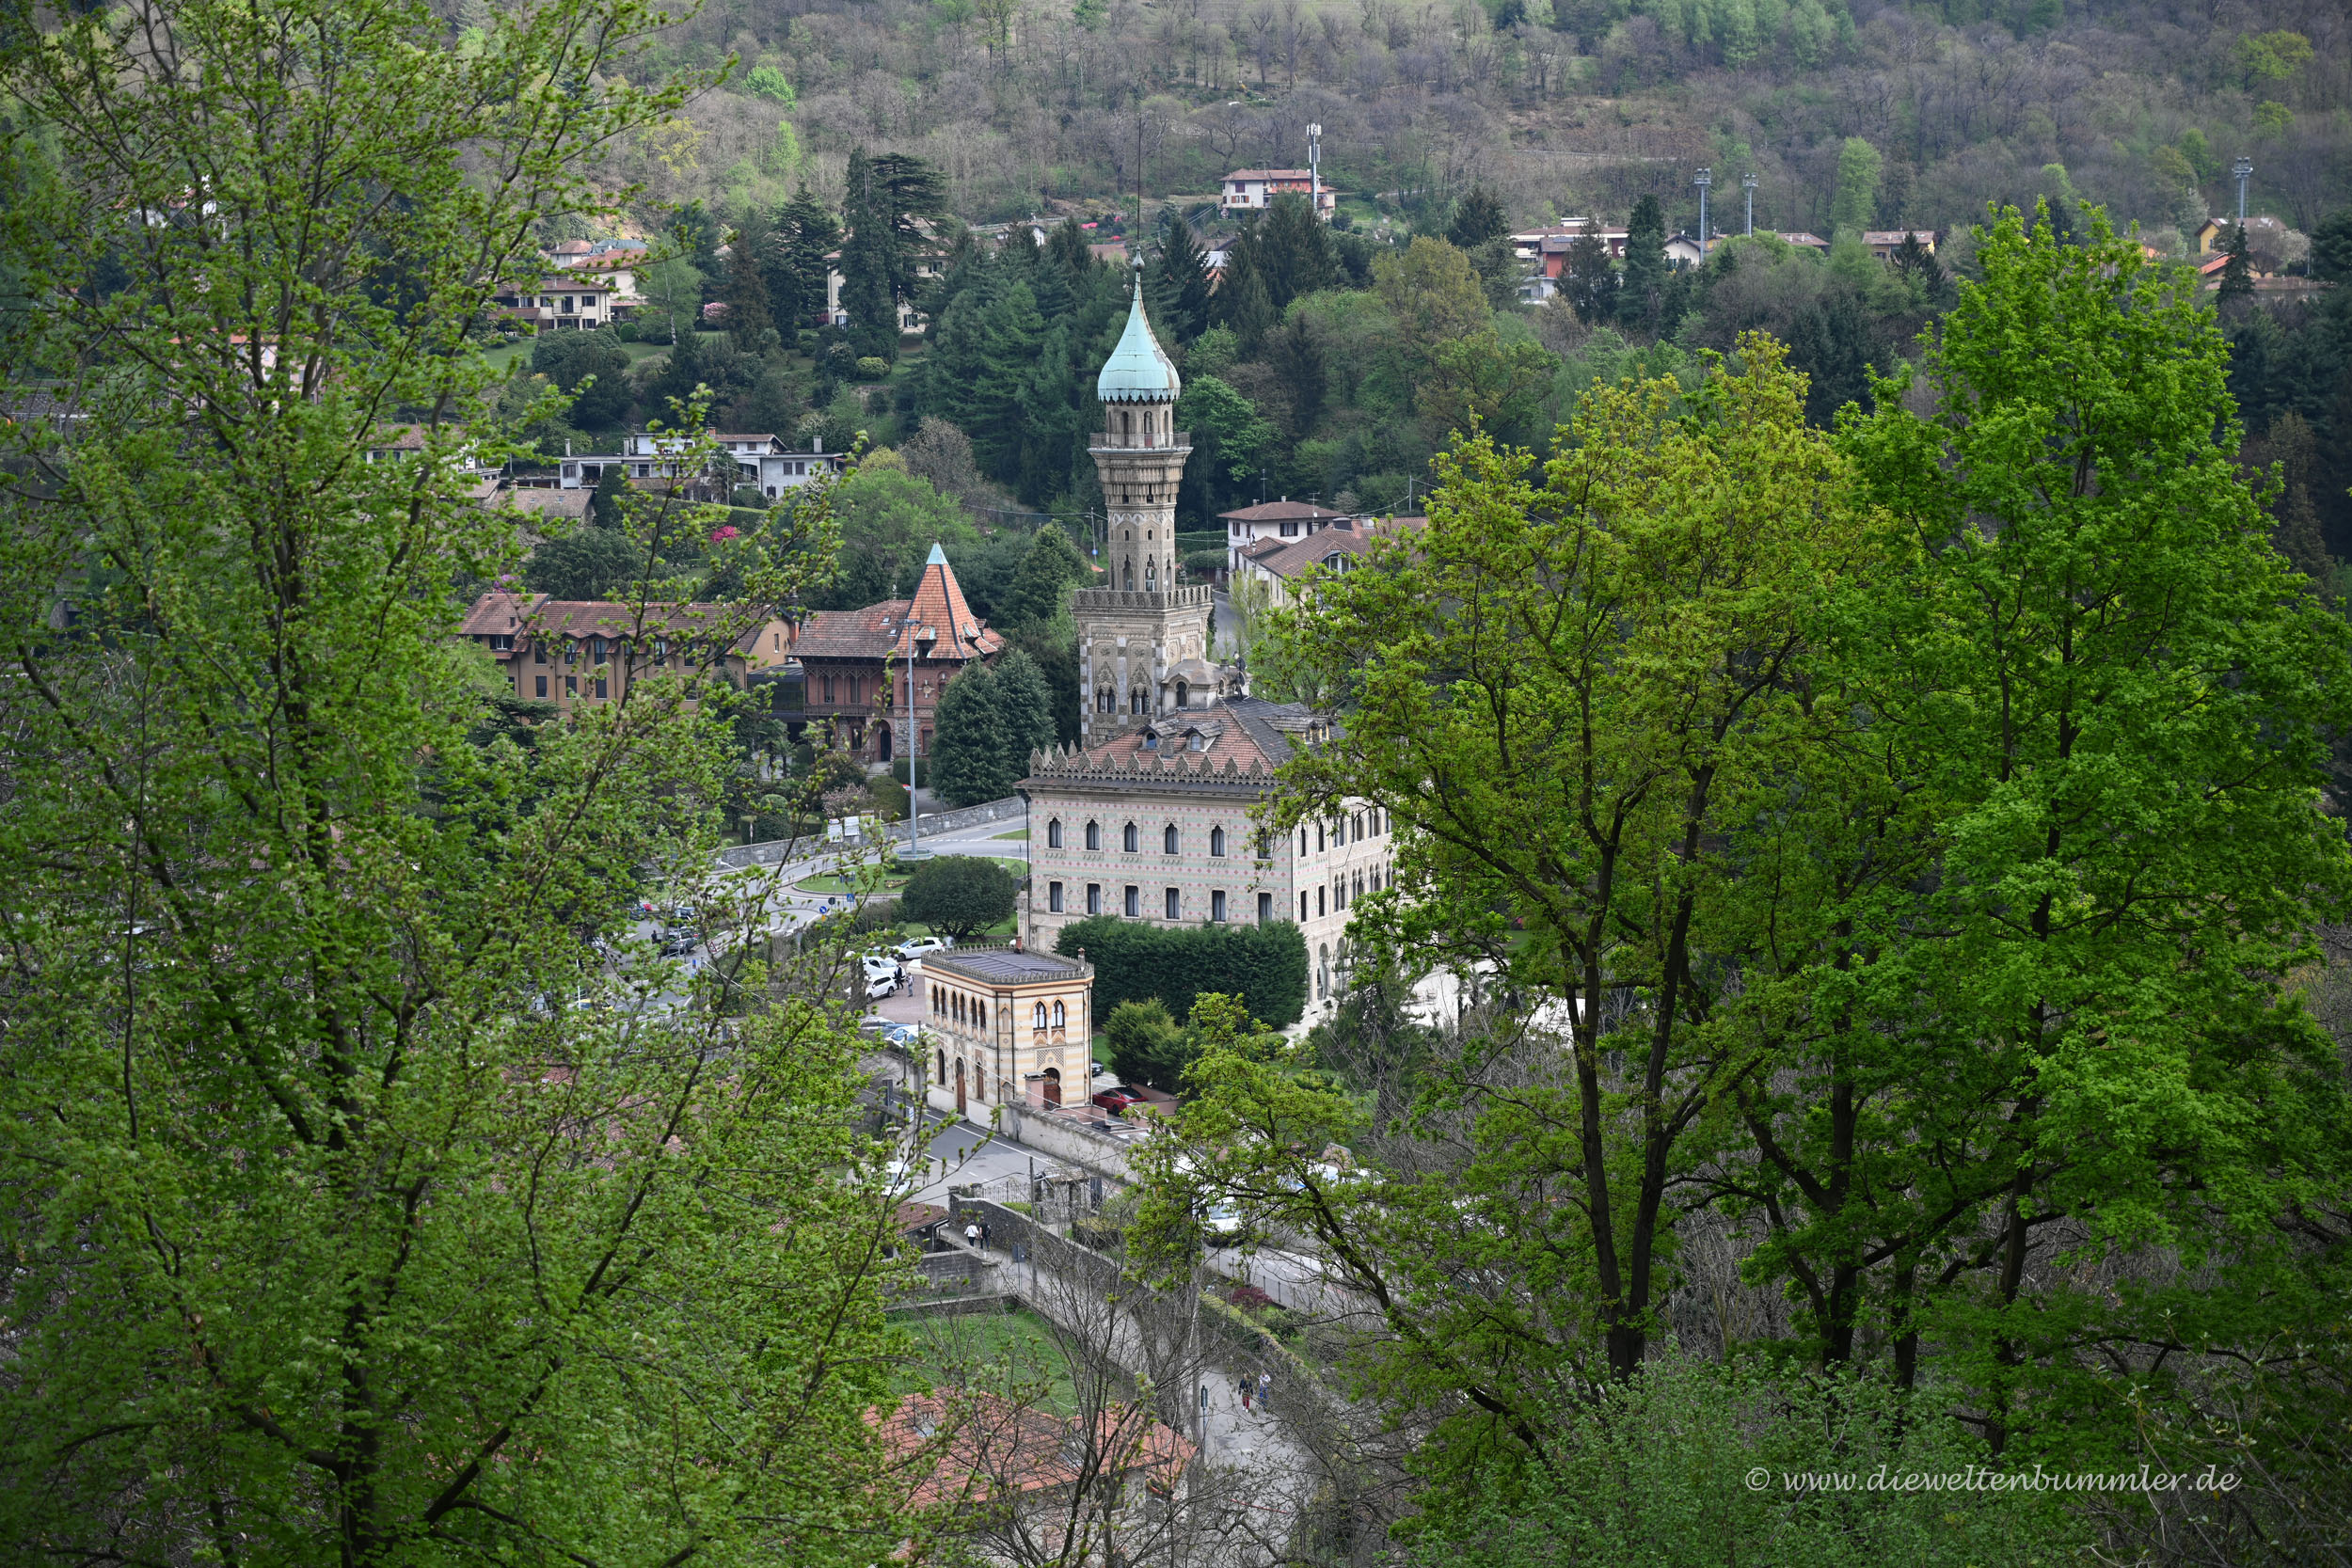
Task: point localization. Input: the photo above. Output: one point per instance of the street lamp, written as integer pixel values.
(2243, 170)
(919, 640)
(1747, 187)
(1706, 178)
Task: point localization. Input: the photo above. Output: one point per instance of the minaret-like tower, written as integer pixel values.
(1143, 639)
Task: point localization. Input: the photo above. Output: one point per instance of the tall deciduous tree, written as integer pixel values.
(1561, 693)
(2106, 675)
(1858, 168)
(339, 1229)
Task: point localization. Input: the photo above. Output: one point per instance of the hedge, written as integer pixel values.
(1265, 965)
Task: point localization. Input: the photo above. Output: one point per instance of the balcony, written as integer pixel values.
(1147, 441)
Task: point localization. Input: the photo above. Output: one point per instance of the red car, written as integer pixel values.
(1115, 1100)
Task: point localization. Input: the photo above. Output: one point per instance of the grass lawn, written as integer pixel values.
(1017, 832)
(1016, 1349)
(829, 882)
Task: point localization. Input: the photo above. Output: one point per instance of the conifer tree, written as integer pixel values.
(866, 265)
(806, 233)
(1040, 585)
(1477, 218)
(1182, 278)
(969, 746)
(749, 313)
(1592, 283)
(1025, 709)
(2237, 276)
(1293, 252)
(1645, 267)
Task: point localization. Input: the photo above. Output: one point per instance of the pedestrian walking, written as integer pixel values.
(985, 1243)
(971, 1235)
(1249, 1387)
(1265, 1390)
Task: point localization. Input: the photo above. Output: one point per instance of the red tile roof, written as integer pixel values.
(939, 607)
(498, 614)
(975, 1445)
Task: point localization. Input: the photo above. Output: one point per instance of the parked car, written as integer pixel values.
(880, 964)
(678, 943)
(1099, 1070)
(880, 986)
(915, 949)
(1115, 1099)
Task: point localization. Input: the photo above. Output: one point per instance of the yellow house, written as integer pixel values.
(1017, 1025)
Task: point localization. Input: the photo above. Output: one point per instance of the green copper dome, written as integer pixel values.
(1137, 371)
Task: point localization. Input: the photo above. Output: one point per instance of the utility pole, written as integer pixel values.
(1314, 170)
(1747, 188)
(1706, 178)
(2243, 170)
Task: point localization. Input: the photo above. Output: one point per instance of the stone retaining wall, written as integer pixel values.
(1068, 1140)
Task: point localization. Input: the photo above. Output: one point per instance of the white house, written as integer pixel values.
(1252, 189)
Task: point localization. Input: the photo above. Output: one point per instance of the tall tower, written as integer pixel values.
(1143, 638)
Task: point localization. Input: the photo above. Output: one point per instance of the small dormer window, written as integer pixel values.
(1150, 741)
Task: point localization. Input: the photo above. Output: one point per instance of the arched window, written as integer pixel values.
(1359, 885)
(1182, 692)
(1170, 842)
(1323, 970)
(1094, 835)
(1302, 841)
(1053, 833)
(942, 1067)
(1059, 1016)
(1134, 701)
(1152, 576)
(1217, 841)
(1319, 844)
(979, 1015)
(1127, 838)
(1131, 576)
(1036, 1016)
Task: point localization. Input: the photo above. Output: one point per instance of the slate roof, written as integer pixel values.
(1281, 511)
(1241, 741)
(1002, 966)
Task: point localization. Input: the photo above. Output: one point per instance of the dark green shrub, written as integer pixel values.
(1265, 965)
(1145, 1045)
(959, 894)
